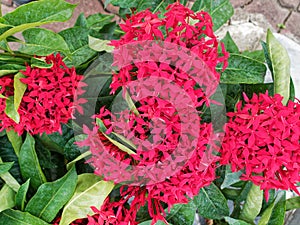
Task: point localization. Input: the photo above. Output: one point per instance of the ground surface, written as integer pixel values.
(283, 15)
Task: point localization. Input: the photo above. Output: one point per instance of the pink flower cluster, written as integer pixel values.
(262, 139)
(49, 100)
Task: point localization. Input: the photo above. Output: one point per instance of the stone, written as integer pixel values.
(274, 13)
(246, 29)
(7, 2)
(293, 23)
(289, 4)
(87, 7)
(239, 3)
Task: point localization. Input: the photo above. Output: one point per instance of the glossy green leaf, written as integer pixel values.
(10, 109)
(40, 63)
(221, 11)
(232, 221)
(243, 70)
(2, 133)
(15, 140)
(90, 191)
(10, 69)
(182, 214)
(19, 89)
(81, 21)
(11, 59)
(78, 43)
(252, 204)
(230, 178)
(116, 139)
(156, 5)
(72, 150)
(229, 44)
(293, 203)
(98, 20)
(5, 167)
(211, 203)
(80, 157)
(100, 45)
(36, 14)
(52, 196)
(21, 195)
(281, 66)
(7, 198)
(8, 178)
(7, 154)
(29, 163)
(2, 96)
(275, 213)
(149, 222)
(15, 217)
(56, 141)
(43, 42)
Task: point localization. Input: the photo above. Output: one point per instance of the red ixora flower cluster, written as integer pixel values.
(49, 100)
(262, 138)
(163, 124)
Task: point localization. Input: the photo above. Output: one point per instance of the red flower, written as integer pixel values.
(262, 138)
(49, 100)
(172, 64)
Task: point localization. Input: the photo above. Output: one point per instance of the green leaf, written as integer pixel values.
(252, 204)
(80, 157)
(72, 150)
(100, 45)
(280, 66)
(9, 179)
(88, 186)
(10, 109)
(56, 141)
(11, 59)
(97, 21)
(116, 139)
(232, 221)
(211, 203)
(5, 167)
(293, 203)
(231, 178)
(81, 21)
(7, 154)
(29, 163)
(36, 14)
(275, 213)
(78, 43)
(256, 55)
(43, 42)
(182, 214)
(243, 70)
(15, 217)
(52, 196)
(149, 222)
(221, 11)
(40, 63)
(10, 69)
(2, 96)
(229, 44)
(19, 89)
(7, 198)
(21, 195)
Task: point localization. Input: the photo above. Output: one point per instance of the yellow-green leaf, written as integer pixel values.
(90, 191)
(280, 65)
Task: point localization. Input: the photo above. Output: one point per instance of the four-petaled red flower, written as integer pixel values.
(49, 100)
(262, 139)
